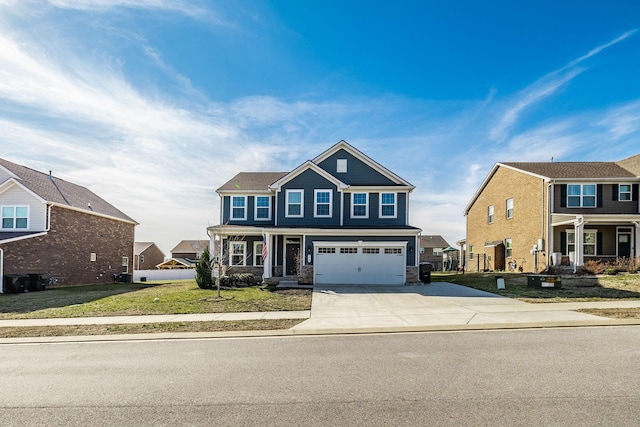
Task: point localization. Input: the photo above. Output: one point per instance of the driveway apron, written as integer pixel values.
(434, 304)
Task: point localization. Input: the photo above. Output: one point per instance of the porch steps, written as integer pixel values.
(292, 284)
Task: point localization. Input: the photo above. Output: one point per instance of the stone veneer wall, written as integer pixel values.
(65, 251)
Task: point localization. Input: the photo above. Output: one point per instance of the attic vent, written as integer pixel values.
(341, 166)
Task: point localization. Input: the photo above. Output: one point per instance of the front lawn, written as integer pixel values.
(574, 288)
(122, 299)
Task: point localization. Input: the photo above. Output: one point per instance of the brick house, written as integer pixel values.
(146, 256)
(60, 230)
(529, 216)
(431, 250)
(340, 218)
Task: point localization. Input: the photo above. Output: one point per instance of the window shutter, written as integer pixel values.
(599, 243)
(614, 193)
(563, 195)
(563, 242)
(599, 190)
(634, 192)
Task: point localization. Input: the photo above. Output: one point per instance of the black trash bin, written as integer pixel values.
(36, 283)
(425, 272)
(15, 283)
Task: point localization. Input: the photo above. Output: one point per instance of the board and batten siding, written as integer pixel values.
(16, 196)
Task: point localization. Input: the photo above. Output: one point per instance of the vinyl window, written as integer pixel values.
(15, 217)
(125, 264)
(581, 195)
(295, 203)
(508, 248)
(323, 202)
(589, 242)
(509, 208)
(263, 208)
(490, 214)
(388, 205)
(237, 253)
(239, 207)
(359, 205)
(624, 192)
(257, 254)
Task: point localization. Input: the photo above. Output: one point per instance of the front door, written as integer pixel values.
(624, 245)
(292, 259)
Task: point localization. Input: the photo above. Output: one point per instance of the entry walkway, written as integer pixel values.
(437, 305)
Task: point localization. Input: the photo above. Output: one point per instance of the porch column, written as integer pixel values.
(579, 234)
(266, 272)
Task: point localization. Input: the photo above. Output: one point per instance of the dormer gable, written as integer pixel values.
(308, 165)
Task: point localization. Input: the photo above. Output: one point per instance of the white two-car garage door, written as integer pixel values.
(355, 264)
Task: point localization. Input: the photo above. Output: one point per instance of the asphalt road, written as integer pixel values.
(579, 376)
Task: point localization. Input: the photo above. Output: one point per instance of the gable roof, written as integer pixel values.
(344, 145)
(632, 164)
(191, 246)
(62, 193)
(139, 247)
(308, 165)
(251, 182)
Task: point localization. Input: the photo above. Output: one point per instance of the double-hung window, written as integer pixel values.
(322, 208)
(490, 214)
(589, 241)
(581, 195)
(509, 208)
(15, 217)
(239, 207)
(237, 253)
(388, 205)
(508, 248)
(624, 192)
(295, 203)
(263, 208)
(257, 253)
(359, 205)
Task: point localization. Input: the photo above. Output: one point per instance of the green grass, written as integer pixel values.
(576, 288)
(180, 297)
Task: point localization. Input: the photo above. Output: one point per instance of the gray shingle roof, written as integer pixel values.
(632, 164)
(187, 246)
(252, 181)
(59, 191)
(573, 170)
(434, 241)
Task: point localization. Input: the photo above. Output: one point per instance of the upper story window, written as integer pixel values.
(15, 217)
(239, 207)
(263, 208)
(624, 192)
(388, 205)
(581, 195)
(323, 203)
(359, 205)
(437, 251)
(509, 208)
(490, 214)
(295, 203)
(341, 165)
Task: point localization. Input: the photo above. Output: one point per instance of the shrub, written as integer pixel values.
(237, 280)
(611, 271)
(203, 271)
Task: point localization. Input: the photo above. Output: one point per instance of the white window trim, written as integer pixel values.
(395, 206)
(512, 208)
(15, 217)
(366, 216)
(257, 253)
(125, 265)
(255, 210)
(244, 254)
(630, 193)
(582, 196)
(286, 208)
(315, 203)
(491, 213)
(244, 209)
(508, 246)
(341, 165)
(586, 231)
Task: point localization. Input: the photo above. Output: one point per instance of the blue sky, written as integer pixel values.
(153, 104)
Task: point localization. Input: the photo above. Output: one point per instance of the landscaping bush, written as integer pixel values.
(204, 278)
(237, 280)
(611, 271)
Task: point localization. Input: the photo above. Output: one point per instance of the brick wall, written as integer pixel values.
(65, 251)
(525, 228)
(152, 257)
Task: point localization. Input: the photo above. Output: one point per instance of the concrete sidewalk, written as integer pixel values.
(359, 308)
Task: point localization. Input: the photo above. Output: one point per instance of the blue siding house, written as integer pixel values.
(341, 218)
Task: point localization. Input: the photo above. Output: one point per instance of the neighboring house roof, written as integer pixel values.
(573, 170)
(176, 263)
(191, 246)
(251, 181)
(434, 241)
(60, 192)
(140, 247)
(567, 171)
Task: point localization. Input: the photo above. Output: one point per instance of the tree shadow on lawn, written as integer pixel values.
(66, 296)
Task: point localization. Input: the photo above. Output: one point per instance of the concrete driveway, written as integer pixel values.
(438, 305)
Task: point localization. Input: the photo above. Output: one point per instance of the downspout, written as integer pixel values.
(2, 270)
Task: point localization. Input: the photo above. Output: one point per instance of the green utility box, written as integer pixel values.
(542, 281)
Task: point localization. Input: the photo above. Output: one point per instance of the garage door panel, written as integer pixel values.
(359, 265)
